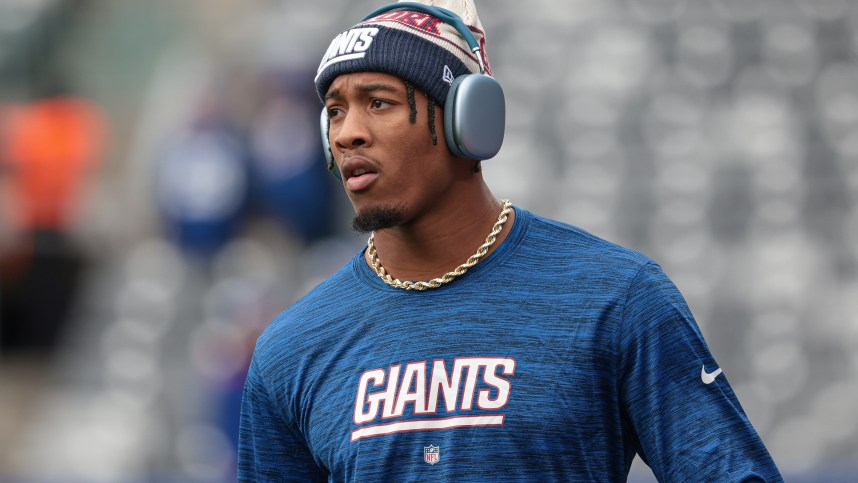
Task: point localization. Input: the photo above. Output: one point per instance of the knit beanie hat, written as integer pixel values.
(413, 46)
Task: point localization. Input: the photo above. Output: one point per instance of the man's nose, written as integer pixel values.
(353, 132)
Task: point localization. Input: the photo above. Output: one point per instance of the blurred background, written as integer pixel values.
(163, 196)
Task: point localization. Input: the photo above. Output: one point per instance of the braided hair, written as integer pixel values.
(409, 91)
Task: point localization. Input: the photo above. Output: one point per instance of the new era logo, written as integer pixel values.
(448, 75)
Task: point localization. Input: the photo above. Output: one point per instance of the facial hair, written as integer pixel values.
(377, 218)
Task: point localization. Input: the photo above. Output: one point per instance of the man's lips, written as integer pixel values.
(358, 173)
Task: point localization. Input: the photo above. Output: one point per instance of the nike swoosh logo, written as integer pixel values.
(709, 377)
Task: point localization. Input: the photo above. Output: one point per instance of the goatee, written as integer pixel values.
(377, 218)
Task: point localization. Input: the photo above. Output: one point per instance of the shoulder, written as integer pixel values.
(564, 244)
(295, 328)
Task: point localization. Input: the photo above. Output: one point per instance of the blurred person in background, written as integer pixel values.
(48, 148)
(202, 180)
(549, 354)
(289, 179)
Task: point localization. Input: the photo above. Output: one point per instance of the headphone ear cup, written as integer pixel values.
(474, 117)
(324, 125)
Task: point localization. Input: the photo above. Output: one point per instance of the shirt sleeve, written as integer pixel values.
(270, 447)
(685, 420)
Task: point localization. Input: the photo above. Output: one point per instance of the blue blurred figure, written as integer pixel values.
(289, 174)
(202, 182)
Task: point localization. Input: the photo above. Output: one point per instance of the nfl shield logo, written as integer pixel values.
(431, 454)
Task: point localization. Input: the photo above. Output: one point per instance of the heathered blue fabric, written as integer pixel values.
(607, 365)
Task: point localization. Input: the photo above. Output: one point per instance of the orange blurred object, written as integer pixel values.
(48, 146)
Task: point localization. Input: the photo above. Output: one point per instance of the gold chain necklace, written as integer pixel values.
(447, 277)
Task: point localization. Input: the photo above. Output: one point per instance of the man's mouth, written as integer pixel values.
(360, 179)
(359, 173)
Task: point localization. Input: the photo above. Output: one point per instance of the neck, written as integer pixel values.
(441, 239)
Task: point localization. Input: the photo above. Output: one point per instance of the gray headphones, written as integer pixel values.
(474, 112)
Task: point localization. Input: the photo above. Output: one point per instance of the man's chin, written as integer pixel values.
(377, 218)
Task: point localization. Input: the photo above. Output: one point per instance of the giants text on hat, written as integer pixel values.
(349, 45)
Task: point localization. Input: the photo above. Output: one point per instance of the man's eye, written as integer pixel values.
(334, 112)
(379, 104)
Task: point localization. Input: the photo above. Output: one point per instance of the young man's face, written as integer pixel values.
(391, 170)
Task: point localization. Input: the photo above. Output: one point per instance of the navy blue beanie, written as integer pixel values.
(413, 46)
